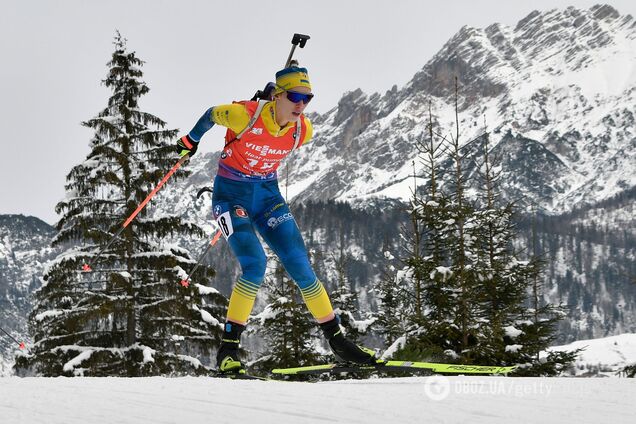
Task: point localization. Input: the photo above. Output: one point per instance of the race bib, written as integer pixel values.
(225, 224)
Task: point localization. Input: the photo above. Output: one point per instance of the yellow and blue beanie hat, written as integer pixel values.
(291, 77)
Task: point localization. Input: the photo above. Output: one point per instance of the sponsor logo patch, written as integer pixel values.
(217, 211)
(240, 211)
(274, 222)
(264, 150)
(226, 154)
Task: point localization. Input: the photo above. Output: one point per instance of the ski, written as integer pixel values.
(240, 376)
(395, 366)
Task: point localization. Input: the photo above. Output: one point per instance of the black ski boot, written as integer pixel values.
(344, 349)
(227, 358)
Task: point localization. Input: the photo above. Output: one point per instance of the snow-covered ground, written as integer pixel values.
(604, 356)
(434, 399)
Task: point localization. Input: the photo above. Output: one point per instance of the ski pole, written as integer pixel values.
(88, 267)
(21, 344)
(186, 281)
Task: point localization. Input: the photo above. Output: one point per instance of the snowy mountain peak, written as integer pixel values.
(485, 60)
(563, 80)
(572, 34)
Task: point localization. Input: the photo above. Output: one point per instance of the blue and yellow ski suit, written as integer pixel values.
(247, 199)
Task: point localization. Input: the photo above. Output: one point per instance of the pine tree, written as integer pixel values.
(503, 280)
(434, 332)
(343, 298)
(538, 328)
(464, 272)
(510, 332)
(391, 318)
(129, 316)
(462, 244)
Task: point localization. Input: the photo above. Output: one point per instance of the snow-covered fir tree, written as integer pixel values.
(462, 244)
(344, 300)
(515, 326)
(130, 316)
(391, 318)
(431, 297)
(475, 290)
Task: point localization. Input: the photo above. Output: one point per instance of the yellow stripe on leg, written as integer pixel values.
(241, 301)
(317, 300)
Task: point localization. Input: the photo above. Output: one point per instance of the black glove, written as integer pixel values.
(187, 146)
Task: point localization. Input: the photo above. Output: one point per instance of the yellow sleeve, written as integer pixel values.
(234, 116)
(309, 131)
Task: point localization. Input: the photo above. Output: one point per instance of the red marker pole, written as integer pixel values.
(88, 266)
(21, 344)
(186, 282)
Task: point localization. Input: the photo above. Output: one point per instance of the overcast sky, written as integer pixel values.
(198, 54)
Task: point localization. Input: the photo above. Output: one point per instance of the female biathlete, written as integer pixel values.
(246, 197)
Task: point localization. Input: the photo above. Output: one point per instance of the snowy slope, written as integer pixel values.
(407, 400)
(604, 356)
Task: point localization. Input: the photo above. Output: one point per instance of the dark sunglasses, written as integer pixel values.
(296, 97)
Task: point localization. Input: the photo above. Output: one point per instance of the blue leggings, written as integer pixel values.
(240, 207)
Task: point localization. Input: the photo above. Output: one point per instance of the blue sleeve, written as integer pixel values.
(202, 126)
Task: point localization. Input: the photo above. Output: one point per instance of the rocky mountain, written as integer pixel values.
(24, 249)
(556, 92)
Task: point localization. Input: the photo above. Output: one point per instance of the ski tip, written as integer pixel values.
(22, 346)
(86, 268)
(185, 283)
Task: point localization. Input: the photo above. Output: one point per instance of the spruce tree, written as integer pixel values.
(480, 302)
(439, 331)
(462, 244)
(515, 327)
(501, 283)
(391, 317)
(343, 298)
(503, 280)
(432, 301)
(130, 316)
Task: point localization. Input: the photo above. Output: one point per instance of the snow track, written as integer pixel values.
(433, 399)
